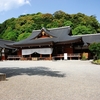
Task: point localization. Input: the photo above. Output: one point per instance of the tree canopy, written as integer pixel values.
(95, 48)
(20, 28)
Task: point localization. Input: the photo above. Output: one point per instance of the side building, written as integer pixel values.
(5, 50)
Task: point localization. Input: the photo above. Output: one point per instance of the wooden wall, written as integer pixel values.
(19, 52)
(68, 50)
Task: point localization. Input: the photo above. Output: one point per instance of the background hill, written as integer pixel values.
(20, 28)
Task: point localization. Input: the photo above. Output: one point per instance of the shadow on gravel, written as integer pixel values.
(43, 71)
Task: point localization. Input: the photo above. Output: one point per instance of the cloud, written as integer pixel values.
(6, 5)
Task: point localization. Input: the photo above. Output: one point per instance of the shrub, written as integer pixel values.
(96, 61)
(84, 58)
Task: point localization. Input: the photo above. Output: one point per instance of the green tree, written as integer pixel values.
(82, 29)
(68, 23)
(23, 36)
(95, 48)
(80, 24)
(59, 14)
(10, 36)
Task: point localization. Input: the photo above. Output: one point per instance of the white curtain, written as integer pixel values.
(38, 50)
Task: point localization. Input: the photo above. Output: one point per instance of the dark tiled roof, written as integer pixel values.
(4, 42)
(89, 38)
(61, 34)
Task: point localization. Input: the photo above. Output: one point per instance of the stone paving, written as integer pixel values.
(50, 80)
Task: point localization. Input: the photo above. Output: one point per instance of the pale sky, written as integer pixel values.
(15, 8)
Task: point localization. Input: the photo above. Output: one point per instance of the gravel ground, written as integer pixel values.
(50, 80)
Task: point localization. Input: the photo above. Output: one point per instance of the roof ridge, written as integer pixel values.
(39, 29)
(36, 30)
(6, 40)
(86, 34)
(59, 27)
(51, 28)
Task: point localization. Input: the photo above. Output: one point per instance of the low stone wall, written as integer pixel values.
(2, 76)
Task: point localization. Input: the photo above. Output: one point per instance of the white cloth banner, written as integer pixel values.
(38, 50)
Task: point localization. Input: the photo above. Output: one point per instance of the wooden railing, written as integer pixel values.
(59, 56)
(73, 55)
(70, 56)
(14, 57)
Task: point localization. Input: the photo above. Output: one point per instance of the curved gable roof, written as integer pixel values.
(61, 34)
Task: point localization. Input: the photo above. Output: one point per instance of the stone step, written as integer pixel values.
(2, 76)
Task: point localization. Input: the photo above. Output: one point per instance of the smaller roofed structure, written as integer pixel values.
(4, 49)
(90, 38)
(4, 42)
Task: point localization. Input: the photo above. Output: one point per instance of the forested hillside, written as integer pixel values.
(20, 28)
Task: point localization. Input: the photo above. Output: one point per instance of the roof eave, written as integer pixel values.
(35, 44)
(71, 41)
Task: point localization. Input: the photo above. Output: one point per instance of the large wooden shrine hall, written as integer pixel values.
(49, 44)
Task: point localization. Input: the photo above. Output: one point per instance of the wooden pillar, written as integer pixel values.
(50, 56)
(70, 57)
(40, 55)
(79, 56)
(3, 57)
(3, 54)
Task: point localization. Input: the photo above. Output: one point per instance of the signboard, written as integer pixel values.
(65, 56)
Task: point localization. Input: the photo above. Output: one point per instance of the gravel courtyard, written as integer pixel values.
(50, 80)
